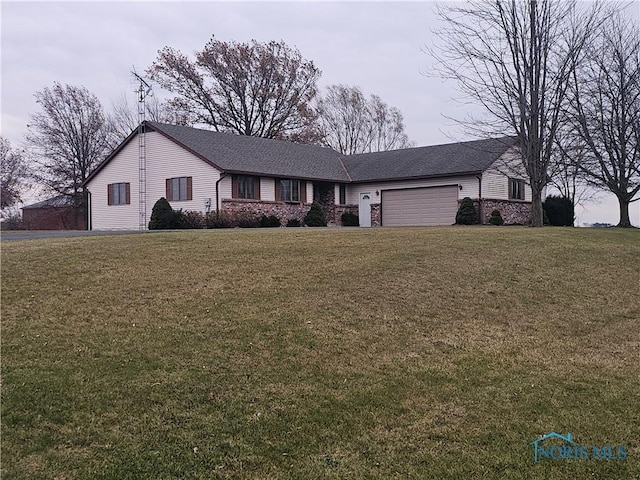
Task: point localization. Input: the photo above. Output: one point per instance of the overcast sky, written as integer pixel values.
(378, 46)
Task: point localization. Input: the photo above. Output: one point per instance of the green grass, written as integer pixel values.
(333, 353)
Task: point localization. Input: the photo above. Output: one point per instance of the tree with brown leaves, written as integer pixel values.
(258, 89)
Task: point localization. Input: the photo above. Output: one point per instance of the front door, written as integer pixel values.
(364, 210)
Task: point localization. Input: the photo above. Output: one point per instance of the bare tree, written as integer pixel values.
(13, 172)
(516, 58)
(124, 117)
(605, 106)
(350, 123)
(565, 174)
(258, 89)
(68, 138)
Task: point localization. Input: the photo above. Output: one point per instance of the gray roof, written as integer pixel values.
(245, 154)
(438, 160)
(233, 153)
(53, 202)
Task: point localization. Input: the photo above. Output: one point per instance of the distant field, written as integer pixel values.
(335, 353)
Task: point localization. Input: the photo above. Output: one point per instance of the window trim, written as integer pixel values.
(342, 194)
(236, 181)
(112, 196)
(279, 190)
(516, 189)
(188, 187)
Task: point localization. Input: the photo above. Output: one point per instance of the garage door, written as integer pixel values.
(420, 206)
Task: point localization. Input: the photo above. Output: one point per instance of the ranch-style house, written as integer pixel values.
(208, 171)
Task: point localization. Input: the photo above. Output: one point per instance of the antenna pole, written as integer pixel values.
(144, 89)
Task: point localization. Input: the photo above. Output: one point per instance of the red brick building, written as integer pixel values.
(57, 213)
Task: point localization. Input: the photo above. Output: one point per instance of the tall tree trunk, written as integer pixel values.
(536, 207)
(625, 222)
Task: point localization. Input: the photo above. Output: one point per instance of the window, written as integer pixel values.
(289, 190)
(118, 194)
(343, 194)
(516, 189)
(179, 189)
(243, 186)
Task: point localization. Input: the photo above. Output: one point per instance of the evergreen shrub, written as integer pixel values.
(496, 218)
(162, 216)
(316, 216)
(350, 219)
(466, 214)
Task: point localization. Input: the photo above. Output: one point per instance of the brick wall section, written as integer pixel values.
(512, 212)
(340, 209)
(58, 218)
(376, 220)
(284, 211)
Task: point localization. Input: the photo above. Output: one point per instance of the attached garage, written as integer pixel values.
(419, 206)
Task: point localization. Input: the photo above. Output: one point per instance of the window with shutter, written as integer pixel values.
(118, 194)
(179, 189)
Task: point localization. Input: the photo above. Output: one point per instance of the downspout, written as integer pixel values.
(480, 209)
(224, 175)
(89, 216)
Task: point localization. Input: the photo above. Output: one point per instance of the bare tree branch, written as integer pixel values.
(515, 58)
(68, 138)
(605, 112)
(351, 123)
(14, 174)
(259, 89)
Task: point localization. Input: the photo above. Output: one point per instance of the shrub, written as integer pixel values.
(466, 214)
(350, 219)
(162, 216)
(496, 218)
(220, 219)
(245, 220)
(293, 222)
(315, 217)
(13, 222)
(560, 211)
(270, 221)
(190, 219)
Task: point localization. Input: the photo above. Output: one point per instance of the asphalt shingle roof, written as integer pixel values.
(438, 160)
(53, 202)
(240, 153)
(233, 153)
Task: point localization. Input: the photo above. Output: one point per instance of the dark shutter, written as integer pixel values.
(303, 192)
(127, 193)
(189, 188)
(234, 186)
(277, 183)
(256, 189)
(169, 195)
(110, 194)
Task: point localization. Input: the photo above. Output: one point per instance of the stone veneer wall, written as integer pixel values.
(340, 209)
(512, 212)
(375, 215)
(284, 211)
(328, 202)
